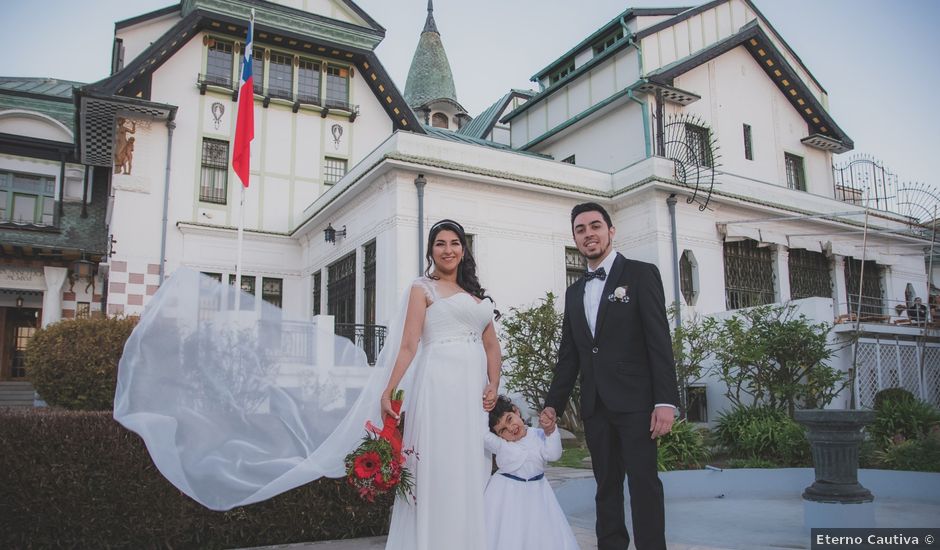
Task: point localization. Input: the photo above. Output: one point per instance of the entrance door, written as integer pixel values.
(21, 325)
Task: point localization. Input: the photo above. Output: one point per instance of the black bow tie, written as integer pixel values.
(599, 274)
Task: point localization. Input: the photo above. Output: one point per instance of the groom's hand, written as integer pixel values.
(547, 418)
(661, 421)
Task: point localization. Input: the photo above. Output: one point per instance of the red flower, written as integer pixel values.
(367, 464)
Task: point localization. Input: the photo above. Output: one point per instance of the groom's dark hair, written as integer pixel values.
(590, 207)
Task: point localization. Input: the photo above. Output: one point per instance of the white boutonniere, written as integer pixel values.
(620, 295)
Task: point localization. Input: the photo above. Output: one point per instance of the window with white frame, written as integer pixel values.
(333, 170)
(27, 198)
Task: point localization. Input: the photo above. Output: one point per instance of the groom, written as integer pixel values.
(615, 335)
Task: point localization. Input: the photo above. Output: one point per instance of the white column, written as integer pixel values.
(840, 305)
(52, 297)
(782, 270)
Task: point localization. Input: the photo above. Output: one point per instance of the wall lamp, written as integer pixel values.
(19, 301)
(330, 234)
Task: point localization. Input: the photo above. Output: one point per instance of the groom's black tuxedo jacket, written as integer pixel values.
(628, 364)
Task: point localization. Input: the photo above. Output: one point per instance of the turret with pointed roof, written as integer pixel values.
(430, 85)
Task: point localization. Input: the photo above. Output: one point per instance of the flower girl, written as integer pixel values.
(522, 512)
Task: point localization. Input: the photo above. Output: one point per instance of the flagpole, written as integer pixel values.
(244, 133)
(241, 235)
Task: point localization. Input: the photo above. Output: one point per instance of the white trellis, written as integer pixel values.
(890, 363)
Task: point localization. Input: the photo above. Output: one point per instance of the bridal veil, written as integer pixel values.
(237, 404)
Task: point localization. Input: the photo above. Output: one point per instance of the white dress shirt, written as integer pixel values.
(594, 289)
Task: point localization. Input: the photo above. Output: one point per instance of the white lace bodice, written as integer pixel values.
(455, 318)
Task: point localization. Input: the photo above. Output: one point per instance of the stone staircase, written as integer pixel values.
(16, 394)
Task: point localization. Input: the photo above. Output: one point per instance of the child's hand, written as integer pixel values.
(547, 423)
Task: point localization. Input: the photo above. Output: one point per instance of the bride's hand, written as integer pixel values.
(489, 397)
(386, 405)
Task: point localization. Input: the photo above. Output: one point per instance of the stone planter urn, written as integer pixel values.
(836, 498)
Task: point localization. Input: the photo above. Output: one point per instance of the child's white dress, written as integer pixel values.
(525, 515)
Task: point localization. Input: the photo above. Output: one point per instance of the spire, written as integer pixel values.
(429, 25)
(429, 77)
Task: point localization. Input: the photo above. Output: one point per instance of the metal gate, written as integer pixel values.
(907, 364)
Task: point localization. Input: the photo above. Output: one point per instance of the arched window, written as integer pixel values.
(439, 120)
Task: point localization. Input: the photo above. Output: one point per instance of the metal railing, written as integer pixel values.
(369, 338)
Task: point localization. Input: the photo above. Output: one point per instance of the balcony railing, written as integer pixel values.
(220, 81)
(369, 338)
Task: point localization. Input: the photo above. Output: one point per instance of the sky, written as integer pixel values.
(875, 58)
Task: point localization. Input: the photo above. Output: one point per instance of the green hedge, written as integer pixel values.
(71, 479)
(73, 363)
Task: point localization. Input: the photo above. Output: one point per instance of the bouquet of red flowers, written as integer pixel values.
(378, 464)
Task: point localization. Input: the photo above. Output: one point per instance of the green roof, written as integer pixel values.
(429, 77)
(482, 124)
(49, 96)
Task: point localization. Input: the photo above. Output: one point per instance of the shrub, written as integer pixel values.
(909, 419)
(681, 449)
(764, 432)
(75, 479)
(892, 394)
(921, 455)
(73, 363)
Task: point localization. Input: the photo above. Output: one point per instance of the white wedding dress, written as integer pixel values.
(444, 418)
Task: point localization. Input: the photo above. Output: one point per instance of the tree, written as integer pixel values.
(774, 357)
(693, 344)
(531, 338)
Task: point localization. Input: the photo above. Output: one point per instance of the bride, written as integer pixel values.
(237, 405)
(460, 359)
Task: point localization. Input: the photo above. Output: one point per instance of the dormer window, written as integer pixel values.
(607, 42)
(564, 71)
(439, 120)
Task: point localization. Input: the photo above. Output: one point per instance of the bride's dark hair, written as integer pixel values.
(466, 270)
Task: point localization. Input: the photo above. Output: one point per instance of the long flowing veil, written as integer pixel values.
(237, 404)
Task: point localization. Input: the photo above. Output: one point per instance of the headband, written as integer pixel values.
(447, 222)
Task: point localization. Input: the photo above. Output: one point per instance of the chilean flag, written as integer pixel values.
(245, 126)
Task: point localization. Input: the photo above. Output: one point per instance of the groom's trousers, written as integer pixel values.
(620, 444)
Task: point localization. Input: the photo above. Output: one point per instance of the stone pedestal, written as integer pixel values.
(836, 498)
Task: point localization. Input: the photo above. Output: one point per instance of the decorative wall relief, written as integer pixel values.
(218, 111)
(337, 132)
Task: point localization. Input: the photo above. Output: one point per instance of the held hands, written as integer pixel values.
(489, 397)
(661, 421)
(547, 420)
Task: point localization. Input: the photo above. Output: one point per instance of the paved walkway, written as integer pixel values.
(727, 510)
